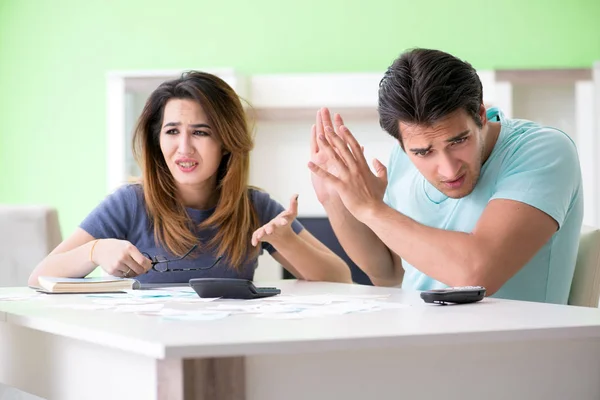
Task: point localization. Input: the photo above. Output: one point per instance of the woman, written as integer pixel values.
(193, 214)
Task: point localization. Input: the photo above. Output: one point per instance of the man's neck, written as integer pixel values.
(491, 137)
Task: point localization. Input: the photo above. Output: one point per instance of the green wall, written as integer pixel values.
(54, 55)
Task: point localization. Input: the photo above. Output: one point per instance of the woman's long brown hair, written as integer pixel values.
(234, 219)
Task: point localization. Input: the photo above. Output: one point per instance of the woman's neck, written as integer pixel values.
(201, 197)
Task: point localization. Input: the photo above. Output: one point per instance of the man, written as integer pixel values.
(471, 197)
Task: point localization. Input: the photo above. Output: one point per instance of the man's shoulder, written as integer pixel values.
(523, 135)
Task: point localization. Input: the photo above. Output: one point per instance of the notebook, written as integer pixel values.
(109, 284)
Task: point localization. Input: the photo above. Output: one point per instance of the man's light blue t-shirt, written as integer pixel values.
(530, 163)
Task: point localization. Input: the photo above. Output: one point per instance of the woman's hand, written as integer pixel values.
(279, 228)
(120, 258)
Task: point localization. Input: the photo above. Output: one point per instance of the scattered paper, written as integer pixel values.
(133, 297)
(19, 297)
(183, 304)
(164, 312)
(322, 299)
(193, 299)
(196, 316)
(126, 301)
(297, 307)
(139, 308)
(85, 306)
(178, 290)
(281, 316)
(149, 293)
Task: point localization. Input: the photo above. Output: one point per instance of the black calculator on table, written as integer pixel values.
(454, 295)
(230, 288)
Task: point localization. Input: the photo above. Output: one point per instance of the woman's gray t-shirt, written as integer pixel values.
(122, 215)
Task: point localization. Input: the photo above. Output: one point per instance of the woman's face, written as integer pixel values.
(189, 145)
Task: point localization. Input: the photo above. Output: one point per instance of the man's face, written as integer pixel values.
(449, 153)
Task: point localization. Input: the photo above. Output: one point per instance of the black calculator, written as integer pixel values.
(454, 295)
(230, 288)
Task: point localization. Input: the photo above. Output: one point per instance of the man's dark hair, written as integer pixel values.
(423, 86)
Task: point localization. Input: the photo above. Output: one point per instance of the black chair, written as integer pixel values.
(322, 230)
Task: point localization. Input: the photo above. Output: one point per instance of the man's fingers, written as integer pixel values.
(321, 173)
(332, 153)
(341, 148)
(357, 149)
(326, 118)
(338, 121)
(314, 147)
(380, 169)
(319, 124)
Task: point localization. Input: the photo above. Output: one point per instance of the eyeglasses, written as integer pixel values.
(161, 264)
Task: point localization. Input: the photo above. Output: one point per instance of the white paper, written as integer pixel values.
(197, 316)
(179, 290)
(85, 306)
(193, 299)
(164, 312)
(281, 316)
(19, 297)
(139, 308)
(297, 307)
(150, 293)
(321, 298)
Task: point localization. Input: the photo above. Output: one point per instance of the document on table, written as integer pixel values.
(187, 306)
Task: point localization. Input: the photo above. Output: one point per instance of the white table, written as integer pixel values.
(494, 349)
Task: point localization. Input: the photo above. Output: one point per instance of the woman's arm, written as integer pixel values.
(70, 259)
(300, 253)
(307, 258)
(80, 253)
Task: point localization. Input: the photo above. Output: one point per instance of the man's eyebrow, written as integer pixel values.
(452, 139)
(459, 136)
(421, 150)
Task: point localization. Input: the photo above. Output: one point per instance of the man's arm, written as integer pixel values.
(360, 243)
(508, 234)
(364, 248)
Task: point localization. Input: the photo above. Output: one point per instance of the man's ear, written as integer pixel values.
(483, 114)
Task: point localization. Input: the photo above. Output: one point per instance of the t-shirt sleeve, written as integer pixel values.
(113, 217)
(543, 171)
(267, 209)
